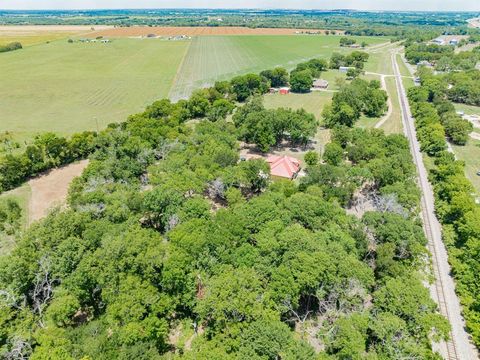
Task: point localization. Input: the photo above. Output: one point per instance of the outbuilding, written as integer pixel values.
(320, 84)
(284, 91)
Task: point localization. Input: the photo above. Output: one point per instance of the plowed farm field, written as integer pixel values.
(135, 31)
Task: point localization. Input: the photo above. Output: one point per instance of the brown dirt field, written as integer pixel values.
(137, 31)
(51, 189)
(35, 29)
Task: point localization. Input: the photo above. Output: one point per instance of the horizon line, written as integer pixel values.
(247, 8)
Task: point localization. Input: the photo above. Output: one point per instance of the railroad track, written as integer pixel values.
(458, 347)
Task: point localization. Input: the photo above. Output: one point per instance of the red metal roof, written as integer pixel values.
(283, 166)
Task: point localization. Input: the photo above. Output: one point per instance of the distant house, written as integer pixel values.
(417, 81)
(425, 63)
(438, 41)
(344, 69)
(284, 166)
(454, 42)
(284, 91)
(105, 41)
(320, 84)
(273, 90)
(355, 46)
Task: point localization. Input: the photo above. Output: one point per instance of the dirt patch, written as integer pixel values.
(51, 189)
(139, 31)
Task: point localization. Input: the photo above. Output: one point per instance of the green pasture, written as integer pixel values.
(393, 125)
(470, 153)
(313, 102)
(468, 109)
(212, 58)
(66, 88)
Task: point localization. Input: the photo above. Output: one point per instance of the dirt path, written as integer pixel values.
(50, 190)
(389, 103)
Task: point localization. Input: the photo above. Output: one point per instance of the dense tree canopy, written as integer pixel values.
(172, 248)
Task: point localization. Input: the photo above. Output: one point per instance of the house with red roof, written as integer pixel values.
(283, 166)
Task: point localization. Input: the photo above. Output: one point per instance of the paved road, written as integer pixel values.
(443, 291)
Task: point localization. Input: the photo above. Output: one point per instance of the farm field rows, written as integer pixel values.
(212, 58)
(67, 88)
(197, 31)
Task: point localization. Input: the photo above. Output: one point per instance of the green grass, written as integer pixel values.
(393, 125)
(366, 122)
(470, 153)
(212, 58)
(313, 102)
(66, 88)
(380, 61)
(468, 109)
(22, 196)
(403, 68)
(35, 39)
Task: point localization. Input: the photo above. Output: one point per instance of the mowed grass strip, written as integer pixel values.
(393, 125)
(66, 88)
(470, 153)
(212, 58)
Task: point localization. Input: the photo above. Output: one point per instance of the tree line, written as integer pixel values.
(454, 204)
(353, 100)
(10, 47)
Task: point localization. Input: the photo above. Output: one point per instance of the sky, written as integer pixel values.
(432, 5)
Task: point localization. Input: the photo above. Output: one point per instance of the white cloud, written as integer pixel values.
(433, 5)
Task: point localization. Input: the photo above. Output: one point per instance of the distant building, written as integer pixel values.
(438, 41)
(355, 46)
(454, 42)
(425, 63)
(417, 81)
(320, 84)
(284, 91)
(344, 69)
(105, 41)
(284, 166)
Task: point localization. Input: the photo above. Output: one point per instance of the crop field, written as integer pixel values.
(66, 88)
(211, 58)
(198, 31)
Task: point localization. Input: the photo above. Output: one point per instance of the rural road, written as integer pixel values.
(443, 290)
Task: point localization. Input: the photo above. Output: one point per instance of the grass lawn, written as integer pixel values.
(212, 58)
(34, 39)
(470, 153)
(313, 102)
(366, 122)
(380, 61)
(393, 125)
(66, 88)
(22, 196)
(403, 68)
(468, 109)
